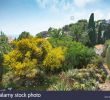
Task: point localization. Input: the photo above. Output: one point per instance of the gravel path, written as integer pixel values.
(105, 86)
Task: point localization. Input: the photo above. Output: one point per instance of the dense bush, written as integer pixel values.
(30, 57)
(24, 35)
(54, 59)
(78, 55)
(25, 59)
(63, 41)
(97, 60)
(4, 49)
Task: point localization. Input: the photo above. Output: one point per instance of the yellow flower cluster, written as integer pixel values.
(28, 54)
(54, 58)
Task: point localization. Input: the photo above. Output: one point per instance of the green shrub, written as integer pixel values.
(63, 42)
(97, 60)
(29, 58)
(78, 55)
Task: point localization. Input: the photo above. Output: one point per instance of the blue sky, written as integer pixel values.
(38, 15)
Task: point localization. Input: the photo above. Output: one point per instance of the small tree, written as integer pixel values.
(3, 38)
(24, 35)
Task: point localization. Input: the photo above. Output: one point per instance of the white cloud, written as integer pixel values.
(108, 15)
(51, 5)
(55, 5)
(98, 14)
(42, 3)
(83, 3)
(101, 14)
(64, 5)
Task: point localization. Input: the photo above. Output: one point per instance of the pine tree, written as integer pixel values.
(91, 30)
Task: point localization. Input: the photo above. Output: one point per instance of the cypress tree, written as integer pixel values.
(91, 30)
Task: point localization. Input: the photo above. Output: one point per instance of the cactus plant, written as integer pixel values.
(108, 57)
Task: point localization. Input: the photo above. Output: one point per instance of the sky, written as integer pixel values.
(35, 16)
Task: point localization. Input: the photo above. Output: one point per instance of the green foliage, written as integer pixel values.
(24, 35)
(99, 39)
(91, 30)
(107, 43)
(102, 29)
(4, 45)
(77, 30)
(106, 35)
(97, 60)
(43, 34)
(3, 38)
(39, 35)
(55, 33)
(108, 57)
(4, 49)
(63, 41)
(78, 55)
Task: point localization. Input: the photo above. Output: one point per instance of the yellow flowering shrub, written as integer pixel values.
(54, 59)
(25, 58)
(28, 58)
